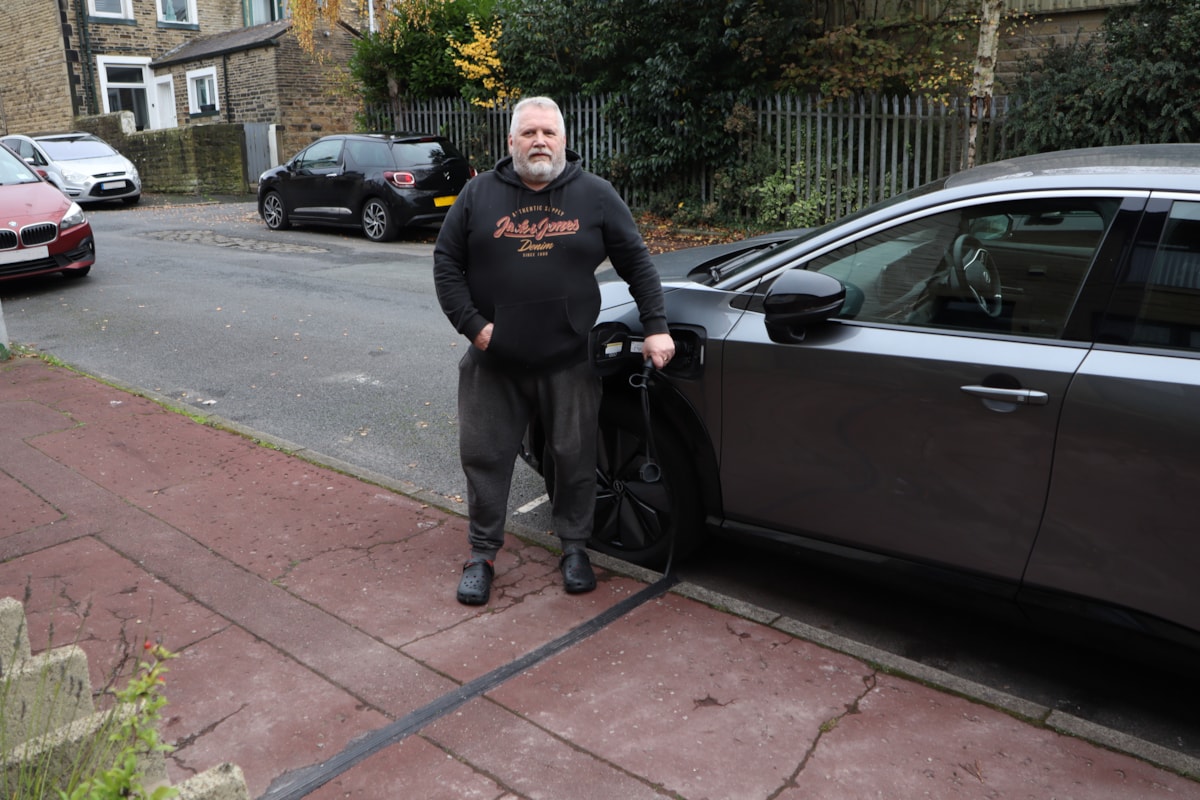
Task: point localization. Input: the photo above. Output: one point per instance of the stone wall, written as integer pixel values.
(205, 159)
(312, 103)
(35, 92)
(1029, 40)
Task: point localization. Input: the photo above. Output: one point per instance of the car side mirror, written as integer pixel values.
(799, 299)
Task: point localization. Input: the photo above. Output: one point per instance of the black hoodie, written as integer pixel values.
(526, 260)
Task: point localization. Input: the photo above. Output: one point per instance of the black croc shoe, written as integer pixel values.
(476, 584)
(577, 572)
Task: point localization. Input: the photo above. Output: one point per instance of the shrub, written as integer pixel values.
(1135, 83)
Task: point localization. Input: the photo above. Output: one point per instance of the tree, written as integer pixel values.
(984, 77)
(411, 53)
(307, 14)
(1135, 82)
(679, 66)
(909, 48)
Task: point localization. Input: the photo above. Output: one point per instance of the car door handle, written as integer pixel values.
(1026, 397)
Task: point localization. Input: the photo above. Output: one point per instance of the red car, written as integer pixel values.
(41, 229)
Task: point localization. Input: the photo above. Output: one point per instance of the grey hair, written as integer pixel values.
(536, 102)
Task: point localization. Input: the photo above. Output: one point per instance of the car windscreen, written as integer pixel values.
(72, 149)
(13, 170)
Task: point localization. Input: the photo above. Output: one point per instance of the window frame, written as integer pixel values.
(126, 12)
(277, 10)
(134, 62)
(191, 77)
(191, 22)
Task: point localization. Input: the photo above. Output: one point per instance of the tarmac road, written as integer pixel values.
(324, 339)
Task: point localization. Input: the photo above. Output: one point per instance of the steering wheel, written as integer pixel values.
(975, 269)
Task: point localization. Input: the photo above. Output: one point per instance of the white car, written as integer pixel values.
(85, 167)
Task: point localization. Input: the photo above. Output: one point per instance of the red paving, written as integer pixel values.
(314, 612)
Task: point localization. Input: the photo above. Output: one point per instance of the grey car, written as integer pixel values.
(85, 167)
(993, 380)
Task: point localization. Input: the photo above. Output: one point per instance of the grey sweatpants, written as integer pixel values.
(494, 409)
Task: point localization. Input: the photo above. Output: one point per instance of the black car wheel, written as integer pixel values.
(638, 513)
(273, 212)
(377, 221)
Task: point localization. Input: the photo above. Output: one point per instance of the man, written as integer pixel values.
(514, 267)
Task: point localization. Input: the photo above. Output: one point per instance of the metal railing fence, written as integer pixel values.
(853, 151)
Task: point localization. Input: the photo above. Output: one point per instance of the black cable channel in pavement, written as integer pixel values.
(301, 782)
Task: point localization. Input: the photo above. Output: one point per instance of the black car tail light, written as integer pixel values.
(403, 180)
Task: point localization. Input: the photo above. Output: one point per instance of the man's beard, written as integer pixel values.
(539, 171)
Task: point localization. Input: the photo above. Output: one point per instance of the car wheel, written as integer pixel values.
(273, 212)
(638, 516)
(75, 274)
(131, 201)
(377, 221)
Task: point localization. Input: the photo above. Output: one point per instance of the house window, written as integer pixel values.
(202, 90)
(181, 11)
(112, 9)
(123, 84)
(256, 12)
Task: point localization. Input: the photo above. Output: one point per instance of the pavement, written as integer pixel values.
(321, 648)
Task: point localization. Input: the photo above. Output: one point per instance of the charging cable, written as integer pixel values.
(650, 472)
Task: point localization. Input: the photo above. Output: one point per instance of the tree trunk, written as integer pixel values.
(984, 77)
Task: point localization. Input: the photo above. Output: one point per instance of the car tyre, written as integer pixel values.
(76, 274)
(378, 224)
(131, 201)
(637, 519)
(274, 213)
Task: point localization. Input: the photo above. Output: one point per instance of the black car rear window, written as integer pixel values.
(370, 154)
(427, 152)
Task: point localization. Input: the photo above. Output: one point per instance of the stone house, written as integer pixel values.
(173, 65)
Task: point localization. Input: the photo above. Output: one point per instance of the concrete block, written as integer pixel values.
(14, 633)
(222, 782)
(42, 693)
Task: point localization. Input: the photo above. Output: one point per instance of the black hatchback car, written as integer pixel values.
(992, 381)
(379, 182)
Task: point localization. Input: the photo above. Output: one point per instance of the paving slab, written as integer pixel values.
(320, 648)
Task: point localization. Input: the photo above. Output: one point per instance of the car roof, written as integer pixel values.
(73, 135)
(394, 136)
(1140, 166)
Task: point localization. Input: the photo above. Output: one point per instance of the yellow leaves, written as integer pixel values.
(415, 14)
(478, 61)
(306, 14)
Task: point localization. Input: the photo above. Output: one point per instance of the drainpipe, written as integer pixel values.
(85, 57)
(225, 79)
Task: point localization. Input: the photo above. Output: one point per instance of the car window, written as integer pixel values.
(1169, 314)
(321, 155)
(1014, 267)
(370, 154)
(26, 151)
(71, 149)
(13, 170)
(426, 152)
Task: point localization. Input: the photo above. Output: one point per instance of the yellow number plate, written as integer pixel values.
(444, 201)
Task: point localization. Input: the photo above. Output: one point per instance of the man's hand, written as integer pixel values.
(484, 337)
(659, 348)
